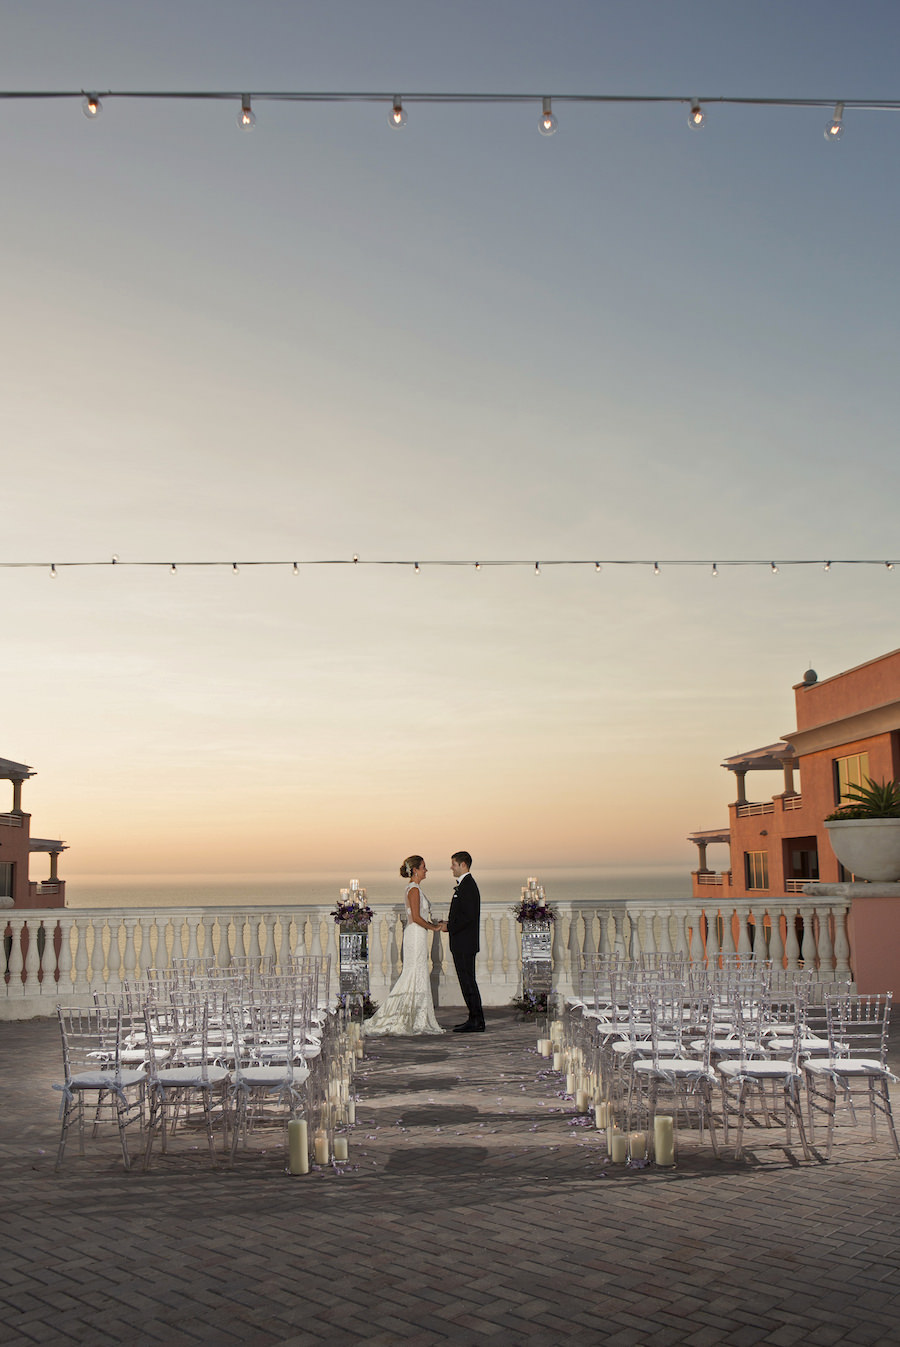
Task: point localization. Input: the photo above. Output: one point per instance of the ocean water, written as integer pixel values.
(652, 882)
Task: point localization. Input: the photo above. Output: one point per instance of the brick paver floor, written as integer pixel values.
(474, 1210)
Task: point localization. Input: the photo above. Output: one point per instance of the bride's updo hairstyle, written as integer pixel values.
(411, 863)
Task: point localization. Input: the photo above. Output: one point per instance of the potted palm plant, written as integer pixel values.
(865, 832)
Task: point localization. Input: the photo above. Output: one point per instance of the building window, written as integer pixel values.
(756, 864)
(6, 879)
(853, 771)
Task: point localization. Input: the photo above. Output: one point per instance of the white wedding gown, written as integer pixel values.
(408, 1007)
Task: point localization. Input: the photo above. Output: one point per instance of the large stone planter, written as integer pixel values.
(868, 847)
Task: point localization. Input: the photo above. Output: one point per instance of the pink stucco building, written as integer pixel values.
(17, 846)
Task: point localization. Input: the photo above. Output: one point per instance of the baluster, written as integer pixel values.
(503, 931)
(129, 957)
(619, 943)
(32, 984)
(267, 943)
(149, 944)
(16, 962)
(728, 942)
(589, 944)
(557, 946)
(644, 928)
(665, 931)
(98, 955)
(82, 927)
(712, 938)
(302, 934)
(688, 927)
(192, 952)
(808, 944)
(776, 942)
(791, 943)
(575, 961)
(744, 943)
(64, 961)
(114, 955)
(842, 969)
(488, 929)
(826, 948)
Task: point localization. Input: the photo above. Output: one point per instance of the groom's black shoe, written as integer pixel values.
(470, 1027)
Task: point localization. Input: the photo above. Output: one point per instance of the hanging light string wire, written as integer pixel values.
(335, 96)
(655, 566)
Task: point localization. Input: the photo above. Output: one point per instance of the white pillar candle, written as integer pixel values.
(582, 1099)
(341, 1152)
(570, 1083)
(664, 1139)
(351, 1111)
(321, 1149)
(545, 1047)
(618, 1150)
(298, 1146)
(601, 1116)
(637, 1145)
(557, 1061)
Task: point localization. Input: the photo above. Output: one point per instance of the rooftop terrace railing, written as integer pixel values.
(63, 955)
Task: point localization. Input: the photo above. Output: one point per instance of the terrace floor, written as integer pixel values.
(474, 1210)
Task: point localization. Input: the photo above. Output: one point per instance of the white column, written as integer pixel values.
(32, 984)
(64, 962)
(842, 968)
(808, 948)
(16, 961)
(826, 946)
(744, 943)
(776, 943)
(712, 936)
(791, 943)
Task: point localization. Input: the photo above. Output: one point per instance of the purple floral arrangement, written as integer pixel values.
(532, 909)
(355, 913)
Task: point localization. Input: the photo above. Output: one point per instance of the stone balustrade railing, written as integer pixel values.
(63, 955)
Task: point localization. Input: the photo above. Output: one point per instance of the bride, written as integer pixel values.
(408, 1007)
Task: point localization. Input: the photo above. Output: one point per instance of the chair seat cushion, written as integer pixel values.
(757, 1068)
(106, 1080)
(175, 1077)
(273, 1075)
(846, 1066)
(674, 1066)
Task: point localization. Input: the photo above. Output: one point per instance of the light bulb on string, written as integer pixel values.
(478, 565)
(696, 117)
(114, 559)
(416, 567)
(173, 569)
(827, 566)
(91, 106)
(53, 571)
(715, 571)
(355, 559)
(548, 125)
(537, 568)
(889, 565)
(773, 567)
(835, 126)
(296, 569)
(397, 114)
(246, 117)
(597, 568)
(234, 568)
(656, 568)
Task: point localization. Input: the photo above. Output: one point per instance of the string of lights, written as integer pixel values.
(655, 567)
(92, 102)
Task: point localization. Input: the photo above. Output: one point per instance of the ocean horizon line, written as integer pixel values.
(314, 888)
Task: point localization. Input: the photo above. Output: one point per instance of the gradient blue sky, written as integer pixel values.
(458, 340)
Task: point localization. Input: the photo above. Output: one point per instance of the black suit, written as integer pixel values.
(463, 927)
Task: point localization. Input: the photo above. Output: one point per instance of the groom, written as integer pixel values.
(463, 924)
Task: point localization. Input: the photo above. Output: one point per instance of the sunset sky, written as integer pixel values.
(461, 340)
